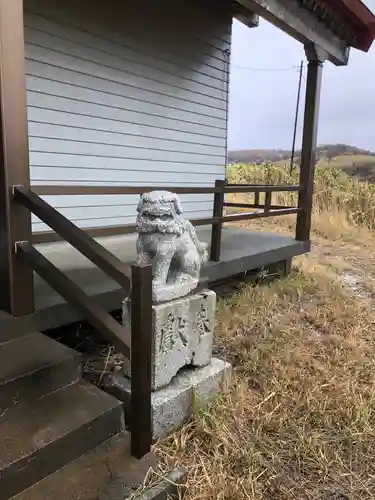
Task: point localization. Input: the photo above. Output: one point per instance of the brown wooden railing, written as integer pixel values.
(269, 210)
(217, 220)
(136, 279)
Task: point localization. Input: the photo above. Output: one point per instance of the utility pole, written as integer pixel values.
(296, 117)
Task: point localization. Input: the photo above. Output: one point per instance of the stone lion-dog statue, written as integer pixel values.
(170, 243)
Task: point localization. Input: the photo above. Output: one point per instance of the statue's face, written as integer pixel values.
(157, 215)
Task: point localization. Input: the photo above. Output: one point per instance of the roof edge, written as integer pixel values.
(360, 17)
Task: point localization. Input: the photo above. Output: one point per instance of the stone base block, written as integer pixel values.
(182, 332)
(173, 405)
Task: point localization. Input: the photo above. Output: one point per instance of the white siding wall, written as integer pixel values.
(123, 94)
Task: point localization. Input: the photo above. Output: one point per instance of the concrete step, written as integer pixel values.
(40, 437)
(35, 365)
(11, 328)
(106, 473)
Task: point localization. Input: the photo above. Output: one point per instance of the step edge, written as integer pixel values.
(75, 376)
(116, 405)
(111, 413)
(123, 433)
(69, 357)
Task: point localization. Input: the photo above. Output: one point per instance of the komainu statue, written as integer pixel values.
(170, 243)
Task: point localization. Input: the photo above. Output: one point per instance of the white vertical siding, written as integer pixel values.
(126, 94)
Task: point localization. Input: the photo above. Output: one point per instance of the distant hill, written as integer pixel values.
(360, 166)
(257, 155)
(327, 151)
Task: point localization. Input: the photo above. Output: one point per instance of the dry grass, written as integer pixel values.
(334, 189)
(298, 421)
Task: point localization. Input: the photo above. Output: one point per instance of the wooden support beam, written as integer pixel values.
(245, 16)
(98, 190)
(298, 22)
(253, 205)
(268, 201)
(217, 226)
(16, 277)
(259, 215)
(309, 140)
(100, 319)
(141, 362)
(90, 248)
(274, 188)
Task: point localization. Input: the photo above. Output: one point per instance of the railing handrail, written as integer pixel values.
(90, 248)
(76, 190)
(255, 205)
(112, 190)
(113, 331)
(265, 188)
(221, 187)
(259, 215)
(261, 185)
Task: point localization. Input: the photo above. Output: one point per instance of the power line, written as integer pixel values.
(247, 68)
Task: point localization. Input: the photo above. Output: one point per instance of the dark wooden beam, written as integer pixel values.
(246, 17)
(259, 215)
(141, 360)
(217, 226)
(90, 248)
(101, 232)
(273, 188)
(268, 201)
(98, 190)
(109, 190)
(304, 26)
(253, 205)
(309, 140)
(97, 232)
(16, 277)
(111, 330)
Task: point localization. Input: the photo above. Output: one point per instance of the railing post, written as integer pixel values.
(267, 201)
(316, 57)
(16, 277)
(141, 349)
(217, 226)
(256, 198)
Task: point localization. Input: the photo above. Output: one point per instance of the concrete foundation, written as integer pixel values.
(173, 405)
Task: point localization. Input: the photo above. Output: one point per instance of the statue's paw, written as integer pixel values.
(203, 246)
(182, 286)
(204, 256)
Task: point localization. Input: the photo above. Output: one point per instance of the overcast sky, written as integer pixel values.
(262, 103)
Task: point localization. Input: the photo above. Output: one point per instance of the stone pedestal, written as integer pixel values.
(182, 332)
(175, 404)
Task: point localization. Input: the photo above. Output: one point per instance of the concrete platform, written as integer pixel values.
(242, 250)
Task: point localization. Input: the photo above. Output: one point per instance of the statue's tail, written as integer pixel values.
(201, 247)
